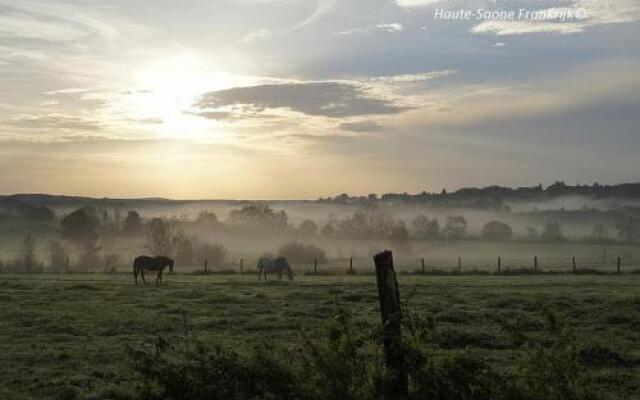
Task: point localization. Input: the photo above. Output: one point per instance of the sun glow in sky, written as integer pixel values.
(308, 98)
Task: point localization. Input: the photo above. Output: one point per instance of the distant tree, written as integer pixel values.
(329, 229)
(160, 237)
(497, 231)
(600, 231)
(117, 219)
(213, 253)
(90, 259)
(207, 218)
(81, 226)
(425, 228)
(455, 228)
(399, 237)
(132, 223)
(381, 224)
(258, 216)
(299, 253)
(532, 233)
(111, 263)
(356, 225)
(629, 228)
(308, 228)
(28, 254)
(552, 233)
(58, 256)
(184, 248)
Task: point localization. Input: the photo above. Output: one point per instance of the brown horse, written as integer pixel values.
(142, 263)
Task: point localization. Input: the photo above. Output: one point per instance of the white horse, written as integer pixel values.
(279, 265)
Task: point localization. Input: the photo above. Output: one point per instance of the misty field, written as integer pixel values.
(70, 335)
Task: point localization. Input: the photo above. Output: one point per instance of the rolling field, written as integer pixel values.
(67, 335)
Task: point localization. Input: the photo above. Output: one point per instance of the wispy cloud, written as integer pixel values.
(390, 27)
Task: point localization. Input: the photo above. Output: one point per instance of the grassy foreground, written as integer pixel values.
(62, 334)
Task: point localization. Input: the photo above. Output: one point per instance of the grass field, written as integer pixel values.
(66, 334)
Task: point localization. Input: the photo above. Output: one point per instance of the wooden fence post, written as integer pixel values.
(575, 266)
(535, 264)
(499, 264)
(206, 262)
(315, 266)
(423, 267)
(241, 265)
(351, 265)
(619, 265)
(459, 264)
(391, 314)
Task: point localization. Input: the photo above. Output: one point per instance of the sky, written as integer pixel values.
(298, 99)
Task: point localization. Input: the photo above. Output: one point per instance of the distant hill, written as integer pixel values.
(491, 197)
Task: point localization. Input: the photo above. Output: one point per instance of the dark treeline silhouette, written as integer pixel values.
(494, 197)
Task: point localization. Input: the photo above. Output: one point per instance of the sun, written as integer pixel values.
(167, 89)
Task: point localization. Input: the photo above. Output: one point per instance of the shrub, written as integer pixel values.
(497, 231)
(300, 253)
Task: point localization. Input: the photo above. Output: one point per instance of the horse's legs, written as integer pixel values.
(159, 278)
(259, 273)
(142, 276)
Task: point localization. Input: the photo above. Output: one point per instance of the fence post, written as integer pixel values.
(575, 267)
(619, 265)
(241, 265)
(535, 263)
(499, 264)
(315, 266)
(459, 264)
(351, 265)
(423, 267)
(391, 314)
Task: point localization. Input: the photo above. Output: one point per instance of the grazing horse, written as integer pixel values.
(279, 265)
(142, 263)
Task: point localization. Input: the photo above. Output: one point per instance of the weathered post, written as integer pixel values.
(206, 262)
(575, 266)
(351, 265)
(459, 264)
(499, 264)
(315, 266)
(535, 264)
(391, 314)
(619, 265)
(241, 265)
(423, 267)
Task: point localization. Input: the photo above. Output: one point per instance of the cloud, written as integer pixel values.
(334, 99)
(324, 7)
(391, 27)
(416, 3)
(257, 35)
(362, 126)
(52, 122)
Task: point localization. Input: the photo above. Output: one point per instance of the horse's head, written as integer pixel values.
(289, 272)
(286, 267)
